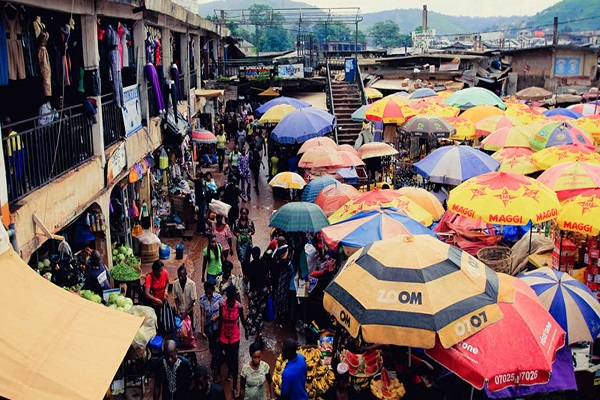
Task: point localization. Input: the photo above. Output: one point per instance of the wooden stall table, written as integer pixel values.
(540, 260)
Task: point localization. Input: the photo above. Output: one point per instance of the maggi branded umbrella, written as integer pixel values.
(477, 113)
(434, 110)
(572, 178)
(589, 124)
(504, 198)
(517, 160)
(412, 289)
(513, 136)
(581, 213)
(524, 114)
(491, 124)
(465, 129)
(561, 154)
(425, 199)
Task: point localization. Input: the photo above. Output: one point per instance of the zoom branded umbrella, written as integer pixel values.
(561, 154)
(303, 124)
(299, 216)
(570, 302)
(474, 96)
(281, 100)
(312, 189)
(572, 178)
(516, 351)
(409, 289)
(455, 164)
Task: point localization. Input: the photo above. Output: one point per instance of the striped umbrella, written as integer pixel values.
(465, 129)
(517, 160)
(299, 216)
(412, 289)
(585, 109)
(493, 123)
(366, 227)
(310, 192)
(322, 141)
(202, 136)
(511, 136)
(571, 178)
(332, 197)
(570, 302)
(390, 110)
(454, 164)
(288, 180)
(561, 154)
(560, 133)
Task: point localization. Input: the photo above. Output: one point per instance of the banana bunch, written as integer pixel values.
(279, 367)
(319, 377)
(360, 384)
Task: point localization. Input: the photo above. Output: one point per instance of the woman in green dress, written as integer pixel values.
(256, 383)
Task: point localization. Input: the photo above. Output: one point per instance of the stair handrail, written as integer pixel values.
(358, 78)
(330, 99)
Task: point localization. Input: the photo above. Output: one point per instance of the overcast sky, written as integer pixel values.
(482, 8)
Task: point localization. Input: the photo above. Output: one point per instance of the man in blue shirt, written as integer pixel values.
(293, 378)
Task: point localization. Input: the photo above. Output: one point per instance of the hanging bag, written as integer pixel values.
(166, 319)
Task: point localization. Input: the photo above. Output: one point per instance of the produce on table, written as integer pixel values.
(124, 273)
(119, 302)
(91, 296)
(319, 378)
(386, 387)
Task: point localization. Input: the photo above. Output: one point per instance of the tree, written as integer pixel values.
(333, 32)
(387, 34)
(272, 36)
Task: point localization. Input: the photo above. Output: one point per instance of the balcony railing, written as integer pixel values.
(43, 148)
(112, 120)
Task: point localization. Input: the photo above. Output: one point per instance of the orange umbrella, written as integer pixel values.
(320, 157)
(465, 129)
(477, 113)
(511, 136)
(433, 109)
(318, 141)
(425, 199)
(376, 149)
(517, 160)
(348, 148)
(493, 123)
(566, 153)
(331, 198)
(392, 109)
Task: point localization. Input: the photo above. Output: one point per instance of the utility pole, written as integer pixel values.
(555, 32)
(424, 23)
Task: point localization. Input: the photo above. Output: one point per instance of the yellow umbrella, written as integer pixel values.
(517, 160)
(523, 113)
(320, 157)
(392, 109)
(566, 153)
(432, 109)
(572, 178)
(504, 198)
(425, 199)
(287, 180)
(322, 141)
(581, 213)
(514, 136)
(477, 113)
(372, 93)
(465, 129)
(493, 123)
(275, 114)
(590, 124)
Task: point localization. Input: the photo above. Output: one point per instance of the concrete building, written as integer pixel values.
(69, 161)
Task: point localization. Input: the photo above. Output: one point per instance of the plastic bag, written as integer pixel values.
(165, 252)
(219, 207)
(185, 334)
(148, 329)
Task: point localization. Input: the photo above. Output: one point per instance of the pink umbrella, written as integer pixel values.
(585, 109)
(332, 197)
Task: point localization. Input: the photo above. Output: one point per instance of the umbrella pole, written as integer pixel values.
(409, 357)
(530, 234)
(472, 391)
(560, 250)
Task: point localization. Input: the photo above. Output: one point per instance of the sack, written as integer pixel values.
(136, 230)
(219, 207)
(185, 334)
(302, 288)
(270, 313)
(166, 319)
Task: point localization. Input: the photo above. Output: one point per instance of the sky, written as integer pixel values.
(482, 8)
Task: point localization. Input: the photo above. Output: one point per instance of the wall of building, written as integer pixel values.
(532, 67)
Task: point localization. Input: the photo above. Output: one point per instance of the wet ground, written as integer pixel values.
(261, 207)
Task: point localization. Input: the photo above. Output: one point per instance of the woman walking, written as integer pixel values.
(282, 265)
(212, 265)
(223, 235)
(244, 171)
(210, 304)
(257, 275)
(256, 376)
(243, 229)
(230, 315)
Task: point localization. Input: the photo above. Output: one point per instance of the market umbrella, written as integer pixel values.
(422, 93)
(561, 154)
(427, 126)
(516, 351)
(589, 124)
(562, 111)
(281, 100)
(202, 136)
(303, 124)
(409, 289)
(312, 189)
(491, 124)
(511, 136)
(348, 148)
(372, 93)
(533, 93)
(570, 302)
(517, 160)
(504, 198)
(390, 110)
(581, 213)
(287, 180)
(332, 197)
(366, 227)
(382, 197)
(299, 216)
(322, 141)
(560, 133)
(455, 164)
(320, 157)
(474, 96)
(523, 113)
(477, 113)
(376, 149)
(559, 118)
(359, 115)
(349, 159)
(585, 109)
(571, 178)
(425, 199)
(275, 114)
(434, 110)
(465, 129)
(270, 92)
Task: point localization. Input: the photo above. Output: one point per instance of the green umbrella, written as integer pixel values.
(359, 115)
(299, 216)
(475, 96)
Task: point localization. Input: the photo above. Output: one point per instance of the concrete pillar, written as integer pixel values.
(91, 61)
(184, 42)
(139, 38)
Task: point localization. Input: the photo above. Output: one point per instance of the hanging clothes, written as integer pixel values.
(112, 41)
(149, 46)
(123, 46)
(120, 45)
(174, 74)
(44, 64)
(16, 60)
(152, 76)
(29, 49)
(157, 52)
(3, 54)
(65, 34)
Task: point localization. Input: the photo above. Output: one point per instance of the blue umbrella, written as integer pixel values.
(562, 111)
(299, 216)
(281, 100)
(455, 164)
(312, 189)
(303, 124)
(359, 115)
(570, 302)
(422, 93)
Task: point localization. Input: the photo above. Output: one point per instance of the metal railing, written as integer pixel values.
(112, 120)
(361, 85)
(181, 88)
(330, 101)
(39, 150)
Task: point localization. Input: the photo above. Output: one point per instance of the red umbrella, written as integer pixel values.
(331, 198)
(203, 136)
(517, 350)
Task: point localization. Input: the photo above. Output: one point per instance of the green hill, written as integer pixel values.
(573, 15)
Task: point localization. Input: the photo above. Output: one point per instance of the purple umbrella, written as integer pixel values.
(562, 111)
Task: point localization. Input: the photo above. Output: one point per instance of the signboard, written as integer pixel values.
(291, 71)
(116, 163)
(450, 66)
(567, 66)
(421, 39)
(132, 113)
(255, 73)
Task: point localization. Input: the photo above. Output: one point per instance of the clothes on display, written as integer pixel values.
(114, 63)
(152, 76)
(123, 45)
(16, 59)
(44, 64)
(3, 54)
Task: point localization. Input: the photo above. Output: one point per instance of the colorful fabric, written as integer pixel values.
(255, 381)
(230, 327)
(211, 308)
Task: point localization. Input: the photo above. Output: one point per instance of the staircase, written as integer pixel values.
(346, 99)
